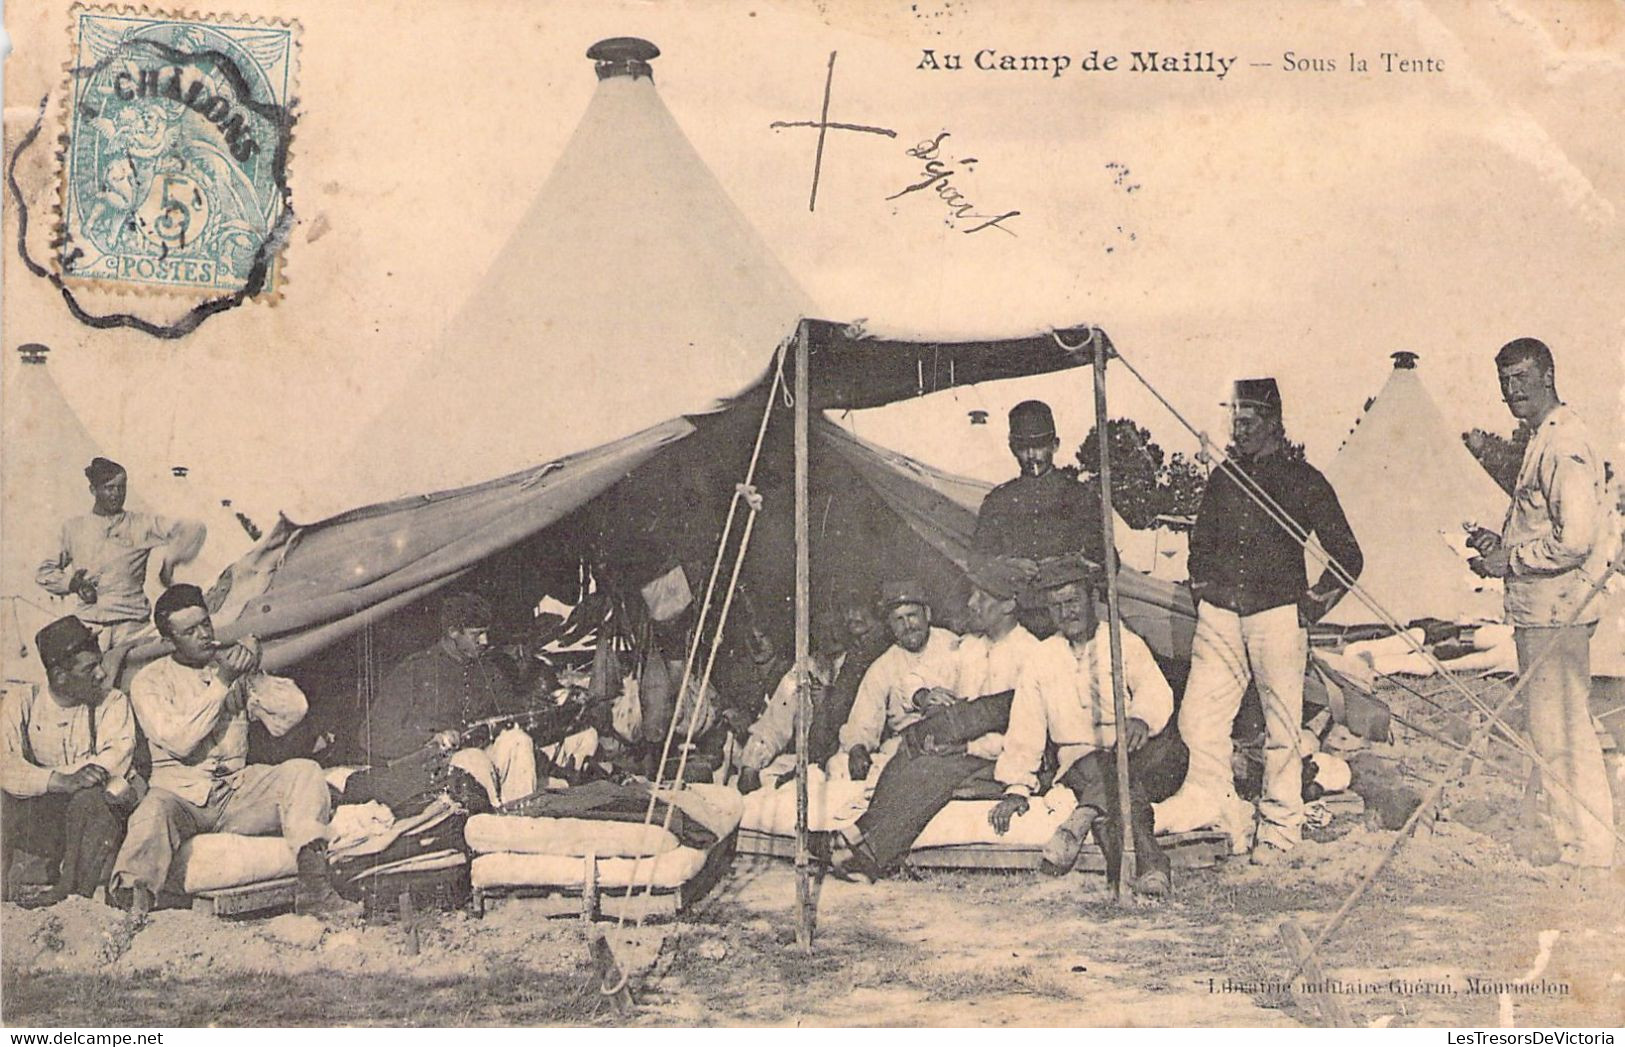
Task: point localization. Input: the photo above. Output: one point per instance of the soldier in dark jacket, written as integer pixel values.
(1255, 605)
(1045, 511)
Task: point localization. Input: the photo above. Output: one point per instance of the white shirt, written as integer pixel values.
(1559, 533)
(992, 667)
(885, 701)
(38, 736)
(1065, 696)
(196, 740)
(113, 552)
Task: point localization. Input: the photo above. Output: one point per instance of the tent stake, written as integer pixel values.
(1127, 865)
(804, 902)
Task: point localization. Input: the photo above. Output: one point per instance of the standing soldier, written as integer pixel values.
(102, 558)
(1254, 610)
(1043, 512)
(1557, 541)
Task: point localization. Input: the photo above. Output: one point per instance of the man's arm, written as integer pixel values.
(18, 775)
(985, 539)
(1017, 766)
(1150, 699)
(176, 719)
(867, 720)
(1328, 523)
(115, 734)
(771, 732)
(1568, 480)
(1201, 550)
(54, 575)
(181, 541)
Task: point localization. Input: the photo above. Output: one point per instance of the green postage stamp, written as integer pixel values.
(174, 163)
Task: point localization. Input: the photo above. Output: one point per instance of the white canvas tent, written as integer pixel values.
(1406, 481)
(629, 197)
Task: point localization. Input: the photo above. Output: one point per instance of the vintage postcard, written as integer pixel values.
(911, 513)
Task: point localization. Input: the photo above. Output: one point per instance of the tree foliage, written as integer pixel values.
(1499, 455)
(1146, 483)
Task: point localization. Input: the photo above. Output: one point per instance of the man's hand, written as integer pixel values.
(447, 740)
(750, 779)
(1136, 734)
(1006, 809)
(90, 776)
(1482, 540)
(858, 762)
(1312, 606)
(235, 662)
(1497, 563)
(82, 586)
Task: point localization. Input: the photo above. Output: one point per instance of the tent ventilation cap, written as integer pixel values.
(623, 56)
(1404, 361)
(33, 352)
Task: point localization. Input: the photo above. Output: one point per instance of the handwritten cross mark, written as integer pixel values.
(824, 125)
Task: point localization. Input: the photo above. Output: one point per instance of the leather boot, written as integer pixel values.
(313, 893)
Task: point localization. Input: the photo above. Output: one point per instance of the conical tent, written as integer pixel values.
(1406, 482)
(46, 448)
(633, 291)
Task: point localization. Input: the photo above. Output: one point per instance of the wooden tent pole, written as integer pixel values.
(1114, 626)
(804, 903)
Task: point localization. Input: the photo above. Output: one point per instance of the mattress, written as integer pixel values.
(213, 861)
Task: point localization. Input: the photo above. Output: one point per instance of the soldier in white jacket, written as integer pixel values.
(1065, 697)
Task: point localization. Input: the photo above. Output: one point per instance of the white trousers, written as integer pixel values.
(1271, 649)
(506, 767)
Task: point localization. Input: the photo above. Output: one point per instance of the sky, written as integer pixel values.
(1279, 222)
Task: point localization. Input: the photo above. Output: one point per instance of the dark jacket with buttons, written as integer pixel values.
(430, 692)
(1038, 516)
(1243, 560)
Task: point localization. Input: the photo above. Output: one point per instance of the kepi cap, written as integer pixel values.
(1005, 577)
(58, 642)
(901, 591)
(1056, 571)
(1256, 392)
(1031, 421)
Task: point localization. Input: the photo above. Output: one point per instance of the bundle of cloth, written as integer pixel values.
(1476, 649)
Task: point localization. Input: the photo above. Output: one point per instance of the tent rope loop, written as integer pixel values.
(1090, 341)
(750, 495)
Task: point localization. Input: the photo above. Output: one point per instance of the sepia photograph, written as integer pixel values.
(919, 514)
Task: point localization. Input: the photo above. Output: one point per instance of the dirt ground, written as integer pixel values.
(1448, 926)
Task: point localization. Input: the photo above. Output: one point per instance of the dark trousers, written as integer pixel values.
(78, 832)
(917, 783)
(1154, 773)
(912, 788)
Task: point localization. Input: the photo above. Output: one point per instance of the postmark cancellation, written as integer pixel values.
(174, 162)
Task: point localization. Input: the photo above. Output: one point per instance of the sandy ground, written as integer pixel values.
(1458, 911)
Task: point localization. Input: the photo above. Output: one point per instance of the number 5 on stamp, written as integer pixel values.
(174, 175)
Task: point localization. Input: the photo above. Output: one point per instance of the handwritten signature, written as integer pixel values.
(941, 172)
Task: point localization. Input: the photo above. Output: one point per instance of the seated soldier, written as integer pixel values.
(959, 737)
(774, 731)
(1065, 697)
(194, 707)
(426, 703)
(65, 754)
(865, 638)
(921, 657)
